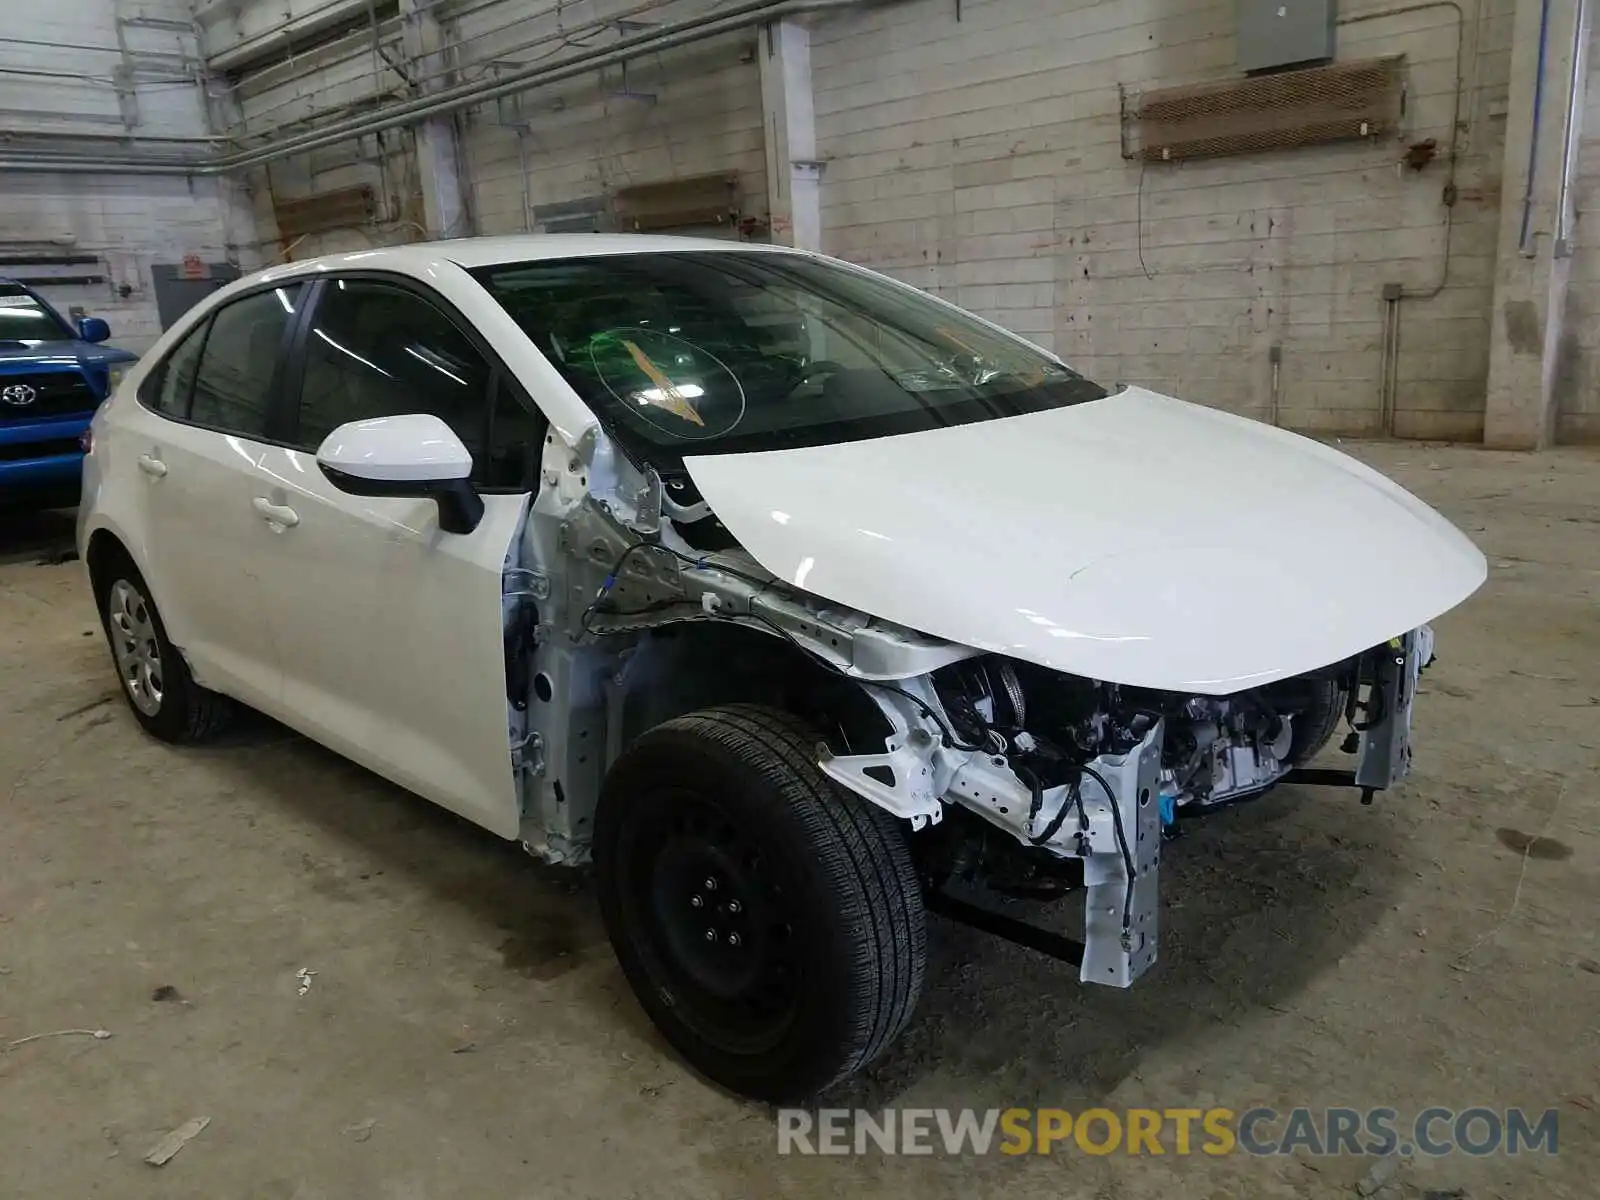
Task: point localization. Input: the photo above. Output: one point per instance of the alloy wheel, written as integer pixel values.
(136, 645)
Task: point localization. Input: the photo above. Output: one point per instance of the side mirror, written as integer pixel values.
(416, 455)
(93, 329)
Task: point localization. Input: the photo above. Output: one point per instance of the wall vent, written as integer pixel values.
(343, 208)
(697, 201)
(1338, 102)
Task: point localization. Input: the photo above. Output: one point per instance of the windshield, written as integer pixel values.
(24, 321)
(720, 352)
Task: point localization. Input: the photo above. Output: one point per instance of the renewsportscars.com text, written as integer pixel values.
(1166, 1131)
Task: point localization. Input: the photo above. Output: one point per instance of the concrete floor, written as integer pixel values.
(467, 1033)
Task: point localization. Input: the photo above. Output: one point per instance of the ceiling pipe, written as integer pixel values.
(128, 139)
(450, 100)
(571, 32)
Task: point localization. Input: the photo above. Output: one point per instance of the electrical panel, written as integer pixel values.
(1285, 33)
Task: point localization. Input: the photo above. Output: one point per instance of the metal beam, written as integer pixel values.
(1533, 256)
(439, 155)
(793, 172)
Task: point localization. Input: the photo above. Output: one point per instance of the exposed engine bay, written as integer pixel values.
(1213, 749)
(1005, 770)
(1097, 774)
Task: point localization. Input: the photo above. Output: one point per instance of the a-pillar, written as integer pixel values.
(793, 172)
(1533, 256)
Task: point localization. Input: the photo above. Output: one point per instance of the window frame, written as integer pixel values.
(150, 386)
(292, 377)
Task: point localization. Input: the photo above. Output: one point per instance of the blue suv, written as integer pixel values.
(52, 377)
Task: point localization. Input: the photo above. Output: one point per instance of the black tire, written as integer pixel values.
(176, 709)
(728, 807)
(1313, 727)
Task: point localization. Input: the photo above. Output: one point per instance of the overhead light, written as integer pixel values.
(655, 395)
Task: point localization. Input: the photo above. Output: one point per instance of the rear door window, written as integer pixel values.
(241, 362)
(170, 385)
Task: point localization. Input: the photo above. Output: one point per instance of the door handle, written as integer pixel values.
(276, 514)
(152, 466)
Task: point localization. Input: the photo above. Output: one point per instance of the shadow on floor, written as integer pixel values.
(1257, 901)
(36, 535)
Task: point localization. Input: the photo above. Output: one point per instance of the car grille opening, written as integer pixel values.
(51, 448)
(54, 394)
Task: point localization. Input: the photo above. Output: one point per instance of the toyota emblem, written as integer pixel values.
(19, 394)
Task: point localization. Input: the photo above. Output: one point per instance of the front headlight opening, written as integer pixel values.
(114, 377)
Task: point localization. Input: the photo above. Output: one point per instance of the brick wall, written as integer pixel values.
(692, 111)
(982, 159)
(275, 97)
(979, 157)
(127, 222)
(674, 114)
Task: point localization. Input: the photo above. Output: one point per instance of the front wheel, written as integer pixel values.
(770, 923)
(1315, 727)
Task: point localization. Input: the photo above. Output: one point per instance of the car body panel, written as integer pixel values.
(389, 633)
(1135, 539)
(67, 352)
(39, 452)
(204, 543)
(335, 621)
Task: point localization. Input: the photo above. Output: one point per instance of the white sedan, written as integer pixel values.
(791, 596)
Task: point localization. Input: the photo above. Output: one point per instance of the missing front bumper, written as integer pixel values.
(1113, 823)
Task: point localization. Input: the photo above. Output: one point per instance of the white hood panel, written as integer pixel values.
(1136, 539)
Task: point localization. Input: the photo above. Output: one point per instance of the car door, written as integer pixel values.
(389, 629)
(199, 435)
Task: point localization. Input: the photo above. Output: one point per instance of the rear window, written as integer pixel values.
(168, 388)
(240, 362)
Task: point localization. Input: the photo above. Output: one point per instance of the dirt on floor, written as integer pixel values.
(366, 997)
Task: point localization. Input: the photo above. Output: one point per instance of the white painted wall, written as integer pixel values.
(693, 111)
(236, 32)
(680, 113)
(128, 222)
(980, 158)
(279, 96)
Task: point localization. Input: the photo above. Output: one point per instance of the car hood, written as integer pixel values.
(14, 357)
(1135, 539)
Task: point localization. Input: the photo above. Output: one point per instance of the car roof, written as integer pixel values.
(475, 252)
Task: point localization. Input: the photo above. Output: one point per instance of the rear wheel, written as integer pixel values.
(770, 923)
(155, 680)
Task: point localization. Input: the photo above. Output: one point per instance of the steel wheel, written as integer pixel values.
(770, 923)
(136, 644)
(714, 921)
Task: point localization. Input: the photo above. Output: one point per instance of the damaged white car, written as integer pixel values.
(788, 595)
